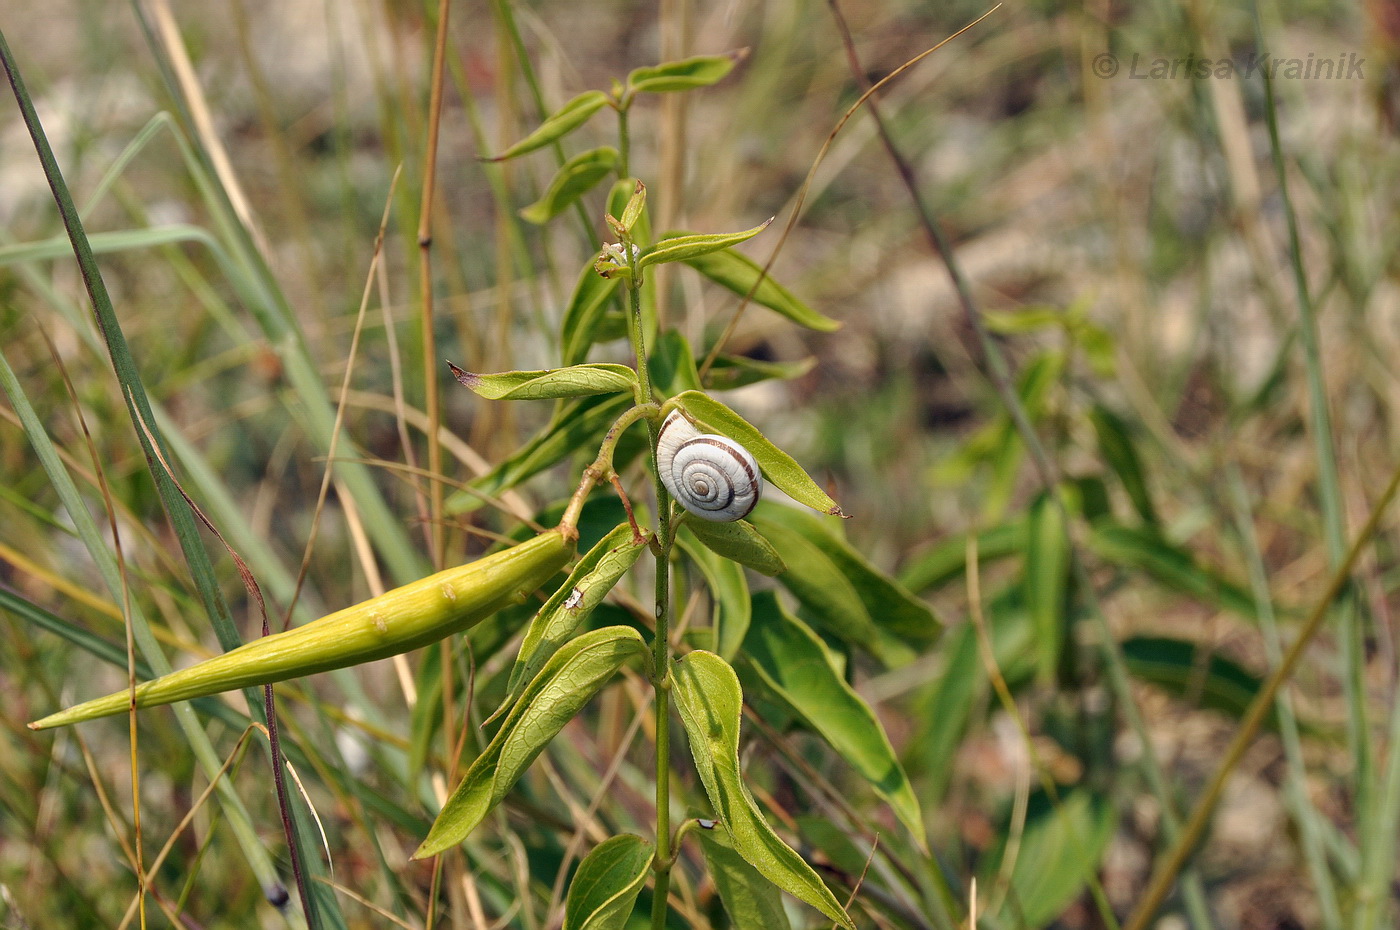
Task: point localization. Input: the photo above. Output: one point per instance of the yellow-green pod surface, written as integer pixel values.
(397, 621)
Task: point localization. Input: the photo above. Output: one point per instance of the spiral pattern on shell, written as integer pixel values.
(711, 476)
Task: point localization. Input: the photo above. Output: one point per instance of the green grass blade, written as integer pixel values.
(257, 855)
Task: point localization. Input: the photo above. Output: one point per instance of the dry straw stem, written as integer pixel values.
(1263, 702)
(425, 283)
(807, 183)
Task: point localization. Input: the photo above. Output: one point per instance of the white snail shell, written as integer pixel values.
(711, 476)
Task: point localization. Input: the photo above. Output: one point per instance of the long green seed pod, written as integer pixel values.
(397, 621)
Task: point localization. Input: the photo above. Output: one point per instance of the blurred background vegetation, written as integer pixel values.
(1126, 238)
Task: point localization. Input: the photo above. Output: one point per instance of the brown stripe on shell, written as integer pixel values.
(726, 444)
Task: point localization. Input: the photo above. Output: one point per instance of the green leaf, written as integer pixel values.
(580, 327)
(687, 74)
(1047, 581)
(685, 248)
(836, 846)
(574, 381)
(888, 603)
(943, 715)
(778, 467)
(1087, 497)
(710, 702)
(1025, 320)
(1099, 347)
(559, 124)
(1116, 447)
(575, 426)
(592, 578)
(568, 680)
(739, 541)
(947, 560)
(751, 901)
(826, 592)
(997, 447)
(728, 589)
(635, 205)
(671, 365)
(794, 664)
(737, 273)
(604, 889)
(575, 177)
(1060, 848)
(735, 371)
(1144, 549)
(1187, 671)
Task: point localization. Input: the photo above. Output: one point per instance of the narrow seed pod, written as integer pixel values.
(713, 477)
(397, 621)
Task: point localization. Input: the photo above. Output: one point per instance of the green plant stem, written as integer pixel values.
(623, 143)
(602, 467)
(660, 646)
(661, 657)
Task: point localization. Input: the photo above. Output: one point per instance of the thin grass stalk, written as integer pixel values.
(1377, 855)
(1329, 492)
(181, 70)
(502, 418)
(1008, 704)
(1378, 838)
(1305, 815)
(138, 859)
(1195, 829)
(290, 184)
(519, 251)
(675, 29)
(260, 862)
(117, 825)
(425, 283)
(801, 197)
(234, 757)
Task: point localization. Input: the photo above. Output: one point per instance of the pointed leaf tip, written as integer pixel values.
(466, 378)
